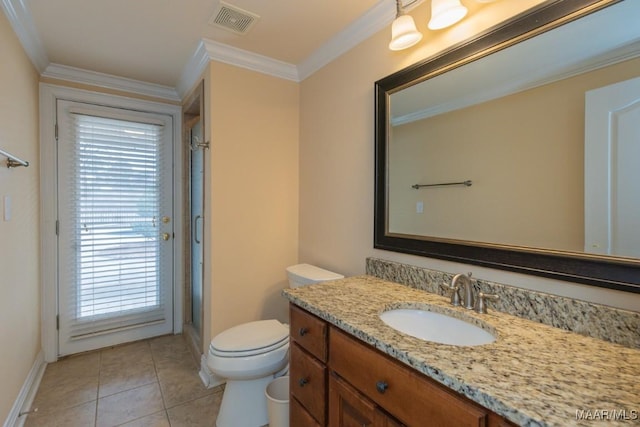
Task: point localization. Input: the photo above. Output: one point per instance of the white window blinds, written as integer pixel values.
(116, 185)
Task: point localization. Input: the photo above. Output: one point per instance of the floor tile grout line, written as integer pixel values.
(127, 391)
(155, 369)
(114, 348)
(144, 416)
(95, 416)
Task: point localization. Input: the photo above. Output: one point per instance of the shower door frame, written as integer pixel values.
(193, 112)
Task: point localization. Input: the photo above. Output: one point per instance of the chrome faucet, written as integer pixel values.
(462, 293)
(466, 297)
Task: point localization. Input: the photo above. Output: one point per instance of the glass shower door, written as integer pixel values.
(197, 223)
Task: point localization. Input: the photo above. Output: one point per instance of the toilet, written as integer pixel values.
(250, 355)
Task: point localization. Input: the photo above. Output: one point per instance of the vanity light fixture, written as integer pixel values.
(445, 13)
(404, 33)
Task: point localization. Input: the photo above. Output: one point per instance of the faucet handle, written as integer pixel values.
(453, 292)
(481, 305)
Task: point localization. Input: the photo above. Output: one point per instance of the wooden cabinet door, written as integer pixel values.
(307, 378)
(348, 408)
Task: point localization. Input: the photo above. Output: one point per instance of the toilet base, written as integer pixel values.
(244, 403)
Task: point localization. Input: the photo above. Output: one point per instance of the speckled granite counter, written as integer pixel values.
(534, 374)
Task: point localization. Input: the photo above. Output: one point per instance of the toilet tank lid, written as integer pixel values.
(312, 272)
(251, 336)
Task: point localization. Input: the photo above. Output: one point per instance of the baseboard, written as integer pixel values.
(27, 393)
(209, 379)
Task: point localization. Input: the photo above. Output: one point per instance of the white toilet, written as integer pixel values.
(250, 355)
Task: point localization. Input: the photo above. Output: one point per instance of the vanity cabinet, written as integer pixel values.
(308, 369)
(339, 381)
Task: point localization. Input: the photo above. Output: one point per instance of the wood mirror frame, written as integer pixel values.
(597, 270)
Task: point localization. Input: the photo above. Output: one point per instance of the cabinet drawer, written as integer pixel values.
(308, 382)
(299, 417)
(309, 331)
(412, 398)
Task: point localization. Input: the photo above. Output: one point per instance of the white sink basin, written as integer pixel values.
(436, 327)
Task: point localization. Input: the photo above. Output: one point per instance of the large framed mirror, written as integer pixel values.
(487, 153)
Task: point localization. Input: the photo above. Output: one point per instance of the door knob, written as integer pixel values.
(165, 220)
(165, 236)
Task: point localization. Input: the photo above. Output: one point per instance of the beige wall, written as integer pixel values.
(532, 195)
(253, 193)
(337, 158)
(19, 238)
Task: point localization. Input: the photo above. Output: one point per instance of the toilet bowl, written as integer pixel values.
(247, 356)
(250, 355)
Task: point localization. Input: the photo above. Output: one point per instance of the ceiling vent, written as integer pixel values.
(233, 19)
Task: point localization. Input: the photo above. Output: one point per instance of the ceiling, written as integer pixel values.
(153, 41)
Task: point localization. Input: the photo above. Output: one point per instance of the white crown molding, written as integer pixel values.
(192, 70)
(22, 24)
(374, 20)
(371, 22)
(108, 81)
(249, 60)
(210, 50)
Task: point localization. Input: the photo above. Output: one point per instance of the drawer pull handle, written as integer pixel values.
(303, 331)
(382, 386)
(303, 381)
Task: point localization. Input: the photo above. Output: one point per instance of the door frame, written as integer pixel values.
(49, 94)
(195, 101)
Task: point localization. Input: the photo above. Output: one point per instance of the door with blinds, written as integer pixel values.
(115, 233)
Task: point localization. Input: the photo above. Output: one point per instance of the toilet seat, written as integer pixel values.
(253, 352)
(250, 350)
(250, 339)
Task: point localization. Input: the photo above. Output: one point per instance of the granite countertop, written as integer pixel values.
(533, 374)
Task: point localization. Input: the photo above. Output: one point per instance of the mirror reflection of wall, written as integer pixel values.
(523, 152)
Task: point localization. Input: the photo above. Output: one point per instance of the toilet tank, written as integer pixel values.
(307, 274)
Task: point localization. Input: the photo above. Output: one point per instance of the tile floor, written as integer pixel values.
(152, 383)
